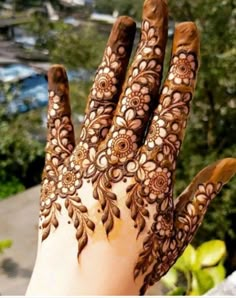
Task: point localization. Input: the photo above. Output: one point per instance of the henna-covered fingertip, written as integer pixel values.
(186, 38)
(57, 78)
(155, 9)
(155, 13)
(123, 31)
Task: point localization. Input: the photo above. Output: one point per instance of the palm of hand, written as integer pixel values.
(122, 169)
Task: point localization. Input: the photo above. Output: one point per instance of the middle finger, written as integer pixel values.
(142, 85)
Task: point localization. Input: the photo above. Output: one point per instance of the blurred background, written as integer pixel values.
(35, 34)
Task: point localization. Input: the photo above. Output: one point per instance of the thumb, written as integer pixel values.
(191, 205)
(189, 210)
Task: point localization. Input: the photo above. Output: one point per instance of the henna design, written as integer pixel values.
(107, 83)
(188, 221)
(122, 140)
(48, 208)
(116, 144)
(64, 170)
(79, 214)
(60, 144)
(183, 68)
(157, 178)
(107, 200)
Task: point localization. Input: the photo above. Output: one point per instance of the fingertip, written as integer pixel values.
(155, 19)
(225, 169)
(123, 31)
(186, 38)
(155, 9)
(125, 21)
(57, 78)
(57, 74)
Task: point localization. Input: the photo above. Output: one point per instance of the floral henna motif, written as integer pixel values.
(59, 147)
(162, 145)
(188, 222)
(123, 139)
(112, 147)
(183, 69)
(121, 146)
(105, 82)
(136, 98)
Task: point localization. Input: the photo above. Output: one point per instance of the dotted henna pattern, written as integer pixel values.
(131, 135)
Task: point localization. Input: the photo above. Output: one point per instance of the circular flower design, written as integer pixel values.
(183, 68)
(136, 97)
(163, 225)
(48, 194)
(158, 183)
(69, 181)
(122, 145)
(156, 133)
(104, 86)
(80, 153)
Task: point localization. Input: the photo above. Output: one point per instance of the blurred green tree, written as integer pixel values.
(21, 153)
(131, 8)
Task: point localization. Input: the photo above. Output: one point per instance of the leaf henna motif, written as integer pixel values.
(48, 218)
(148, 255)
(79, 214)
(107, 200)
(136, 203)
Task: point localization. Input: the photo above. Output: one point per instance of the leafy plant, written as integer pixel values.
(4, 244)
(197, 270)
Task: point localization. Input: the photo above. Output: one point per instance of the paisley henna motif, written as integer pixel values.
(131, 137)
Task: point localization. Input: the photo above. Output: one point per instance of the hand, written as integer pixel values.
(108, 222)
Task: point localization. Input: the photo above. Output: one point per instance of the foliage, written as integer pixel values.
(202, 269)
(71, 46)
(83, 48)
(131, 8)
(21, 5)
(21, 156)
(4, 244)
